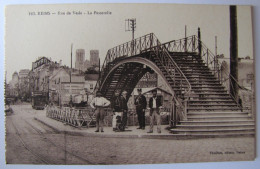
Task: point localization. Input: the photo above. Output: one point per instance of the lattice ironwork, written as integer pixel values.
(148, 44)
(73, 116)
(194, 45)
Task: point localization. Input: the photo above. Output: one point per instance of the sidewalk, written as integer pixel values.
(108, 131)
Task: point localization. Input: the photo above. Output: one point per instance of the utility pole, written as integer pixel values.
(130, 25)
(185, 38)
(216, 45)
(233, 51)
(199, 43)
(70, 103)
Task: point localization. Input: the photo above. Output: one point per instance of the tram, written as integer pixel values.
(38, 100)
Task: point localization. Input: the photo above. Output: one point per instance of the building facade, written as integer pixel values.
(80, 59)
(24, 91)
(61, 89)
(41, 61)
(94, 57)
(90, 82)
(14, 85)
(148, 80)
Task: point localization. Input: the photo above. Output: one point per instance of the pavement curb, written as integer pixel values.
(46, 124)
(78, 133)
(136, 136)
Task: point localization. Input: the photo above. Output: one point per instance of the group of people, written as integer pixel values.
(120, 109)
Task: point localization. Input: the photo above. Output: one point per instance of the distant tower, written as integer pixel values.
(15, 80)
(94, 57)
(80, 58)
(15, 77)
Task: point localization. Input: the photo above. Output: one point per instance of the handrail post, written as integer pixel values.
(199, 42)
(175, 115)
(193, 43)
(135, 50)
(214, 60)
(145, 42)
(185, 42)
(151, 40)
(185, 109)
(140, 45)
(207, 57)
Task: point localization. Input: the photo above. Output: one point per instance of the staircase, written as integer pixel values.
(211, 110)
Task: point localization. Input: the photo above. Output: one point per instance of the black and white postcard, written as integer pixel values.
(112, 84)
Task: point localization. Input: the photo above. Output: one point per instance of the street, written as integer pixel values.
(31, 142)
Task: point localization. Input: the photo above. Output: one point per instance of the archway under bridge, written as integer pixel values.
(127, 73)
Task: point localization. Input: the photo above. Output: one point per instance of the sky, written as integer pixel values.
(28, 36)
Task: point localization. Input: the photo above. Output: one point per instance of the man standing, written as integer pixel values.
(155, 104)
(117, 108)
(99, 103)
(124, 109)
(140, 103)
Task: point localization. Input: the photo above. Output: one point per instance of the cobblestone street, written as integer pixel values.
(143, 151)
(60, 148)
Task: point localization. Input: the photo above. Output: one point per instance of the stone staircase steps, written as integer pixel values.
(209, 109)
(238, 130)
(198, 98)
(224, 127)
(218, 122)
(206, 118)
(218, 113)
(212, 104)
(216, 101)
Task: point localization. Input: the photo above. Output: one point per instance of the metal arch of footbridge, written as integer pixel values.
(143, 61)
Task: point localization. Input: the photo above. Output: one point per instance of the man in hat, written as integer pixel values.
(124, 108)
(140, 103)
(155, 103)
(99, 103)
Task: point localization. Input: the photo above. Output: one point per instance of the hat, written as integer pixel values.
(154, 91)
(124, 92)
(139, 90)
(99, 93)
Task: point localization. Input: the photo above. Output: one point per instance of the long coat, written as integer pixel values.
(140, 102)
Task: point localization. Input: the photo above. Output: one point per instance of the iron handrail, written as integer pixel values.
(137, 46)
(194, 44)
(164, 57)
(165, 51)
(127, 49)
(215, 67)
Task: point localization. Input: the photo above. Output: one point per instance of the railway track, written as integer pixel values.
(36, 155)
(58, 146)
(40, 157)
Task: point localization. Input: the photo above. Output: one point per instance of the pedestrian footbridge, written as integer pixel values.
(203, 97)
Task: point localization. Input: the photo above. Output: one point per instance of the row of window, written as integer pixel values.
(40, 62)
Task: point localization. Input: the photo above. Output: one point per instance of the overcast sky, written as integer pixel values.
(28, 37)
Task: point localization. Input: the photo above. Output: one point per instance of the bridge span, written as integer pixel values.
(201, 92)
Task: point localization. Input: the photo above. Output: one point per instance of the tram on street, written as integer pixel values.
(38, 100)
